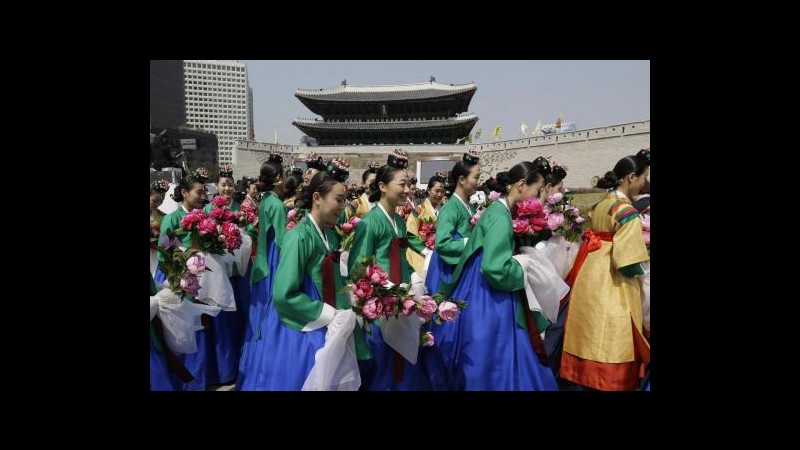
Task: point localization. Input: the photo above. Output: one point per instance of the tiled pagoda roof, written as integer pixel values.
(396, 92)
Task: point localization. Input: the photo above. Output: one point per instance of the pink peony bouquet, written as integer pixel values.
(373, 299)
(215, 232)
(247, 214)
(181, 266)
(427, 232)
(563, 219)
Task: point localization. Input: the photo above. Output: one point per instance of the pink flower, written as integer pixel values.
(474, 220)
(409, 305)
(290, 225)
(555, 220)
(426, 306)
(529, 207)
(520, 226)
(190, 284)
(555, 198)
(230, 229)
(372, 308)
(291, 214)
(219, 201)
(494, 195)
(376, 275)
(428, 339)
(207, 226)
(347, 227)
(448, 311)
(216, 213)
(168, 243)
(579, 220)
(645, 221)
(196, 263)
(431, 241)
(389, 303)
(363, 288)
(539, 223)
(354, 220)
(195, 216)
(230, 215)
(246, 208)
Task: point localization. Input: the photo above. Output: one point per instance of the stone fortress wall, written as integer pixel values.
(586, 153)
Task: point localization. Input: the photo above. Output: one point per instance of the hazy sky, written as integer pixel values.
(588, 93)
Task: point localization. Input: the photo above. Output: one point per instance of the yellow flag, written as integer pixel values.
(497, 131)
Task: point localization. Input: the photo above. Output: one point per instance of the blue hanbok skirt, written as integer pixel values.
(485, 349)
(438, 270)
(260, 302)
(161, 378)
(286, 356)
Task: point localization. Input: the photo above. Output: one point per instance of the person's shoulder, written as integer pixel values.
(642, 203)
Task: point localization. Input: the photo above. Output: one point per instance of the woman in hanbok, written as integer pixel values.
(190, 194)
(271, 230)
(603, 344)
(226, 332)
(310, 297)
(490, 346)
(453, 227)
(426, 212)
(382, 234)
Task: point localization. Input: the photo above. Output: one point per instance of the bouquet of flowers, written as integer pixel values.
(529, 221)
(375, 297)
(293, 217)
(404, 210)
(427, 232)
(347, 232)
(247, 214)
(563, 219)
(181, 266)
(493, 196)
(214, 233)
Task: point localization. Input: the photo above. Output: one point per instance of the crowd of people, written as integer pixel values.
(298, 272)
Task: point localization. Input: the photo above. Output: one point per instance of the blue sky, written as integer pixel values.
(588, 93)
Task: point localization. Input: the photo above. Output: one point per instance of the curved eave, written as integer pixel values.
(386, 93)
(308, 126)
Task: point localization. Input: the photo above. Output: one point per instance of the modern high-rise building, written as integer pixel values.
(167, 99)
(218, 100)
(252, 134)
